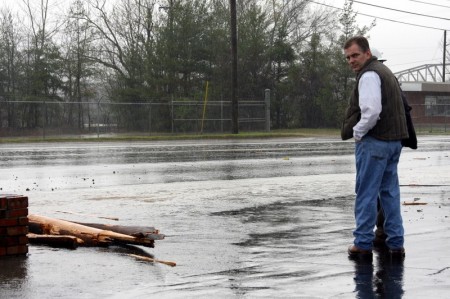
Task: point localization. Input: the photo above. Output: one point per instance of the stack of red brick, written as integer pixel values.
(13, 225)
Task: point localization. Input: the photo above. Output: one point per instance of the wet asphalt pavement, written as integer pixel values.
(242, 219)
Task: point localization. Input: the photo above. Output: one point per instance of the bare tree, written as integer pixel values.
(10, 38)
(43, 62)
(77, 45)
(124, 33)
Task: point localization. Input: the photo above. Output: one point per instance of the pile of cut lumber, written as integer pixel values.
(67, 234)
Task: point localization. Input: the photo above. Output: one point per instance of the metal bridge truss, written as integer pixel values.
(424, 73)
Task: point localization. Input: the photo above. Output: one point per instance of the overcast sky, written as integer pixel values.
(404, 46)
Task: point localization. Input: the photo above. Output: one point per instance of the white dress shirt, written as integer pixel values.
(369, 88)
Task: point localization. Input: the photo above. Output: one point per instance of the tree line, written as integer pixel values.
(152, 51)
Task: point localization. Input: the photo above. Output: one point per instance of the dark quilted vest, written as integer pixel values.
(392, 122)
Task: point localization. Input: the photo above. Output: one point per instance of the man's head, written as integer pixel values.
(357, 52)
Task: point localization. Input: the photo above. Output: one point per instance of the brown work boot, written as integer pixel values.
(355, 252)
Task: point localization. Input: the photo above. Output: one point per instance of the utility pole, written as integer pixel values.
(234, 82)
(444, 56)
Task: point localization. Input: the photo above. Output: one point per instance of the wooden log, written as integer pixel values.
(143, 234)
(152, 260)
(135, 231)
(60, 241)
(90, 235)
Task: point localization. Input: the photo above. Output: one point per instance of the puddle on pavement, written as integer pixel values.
(270, 221)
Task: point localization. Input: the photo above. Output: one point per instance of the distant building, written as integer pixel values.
(430, 102)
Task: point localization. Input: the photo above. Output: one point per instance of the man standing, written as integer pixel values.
(376, 119)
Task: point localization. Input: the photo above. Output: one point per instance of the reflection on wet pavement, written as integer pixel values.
(242, 219)
(13, 273)
(160, 152)
(384, 280)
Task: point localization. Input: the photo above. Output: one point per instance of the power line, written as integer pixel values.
(428, 3)
(381, 18)
(403, 11)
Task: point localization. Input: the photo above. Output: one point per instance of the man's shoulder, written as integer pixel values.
(379, 67)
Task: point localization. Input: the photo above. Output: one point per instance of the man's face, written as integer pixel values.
(356, 58)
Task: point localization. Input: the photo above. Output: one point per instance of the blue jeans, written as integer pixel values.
(376, 174)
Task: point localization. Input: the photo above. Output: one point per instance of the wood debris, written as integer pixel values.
(152, 260)
(66, 234)
(93, 234)
(414, 203)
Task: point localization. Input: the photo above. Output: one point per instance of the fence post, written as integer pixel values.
(221, 113)
(150, 119)
(267, 104)
(44, 118)
(445, 116)
(98, 119)
(171, 112)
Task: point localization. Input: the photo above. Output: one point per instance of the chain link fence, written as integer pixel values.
(95, 119)
(431, 118)
(102, 119)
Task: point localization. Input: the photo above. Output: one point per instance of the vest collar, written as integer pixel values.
(369, 61)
